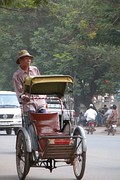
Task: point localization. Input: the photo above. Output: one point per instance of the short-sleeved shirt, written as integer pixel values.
(108, 113)
(90, 114)
(114, 115)
(18, 81)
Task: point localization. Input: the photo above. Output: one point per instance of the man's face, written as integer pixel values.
(25, 61)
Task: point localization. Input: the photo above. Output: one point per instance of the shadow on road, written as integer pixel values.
(8, 177)
(14, 177)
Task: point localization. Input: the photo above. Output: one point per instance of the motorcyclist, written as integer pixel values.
(107, 114)
(112, 116)
(90, 114)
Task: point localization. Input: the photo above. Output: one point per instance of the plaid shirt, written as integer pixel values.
(18, 81)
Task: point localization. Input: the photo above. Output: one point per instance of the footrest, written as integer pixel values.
(59, 148)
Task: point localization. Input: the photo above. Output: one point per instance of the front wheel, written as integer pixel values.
(80, 158)
(22, 157)
(92, 130)
(9, 131)
(16, 130)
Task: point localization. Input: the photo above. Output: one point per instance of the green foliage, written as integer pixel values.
(23, 3)
(76, 37)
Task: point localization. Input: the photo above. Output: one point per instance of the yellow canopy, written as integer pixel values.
(47, 84)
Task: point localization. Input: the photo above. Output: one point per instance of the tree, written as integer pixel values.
(22, 3)
(12, 39)
(76, 45)
(80, 38)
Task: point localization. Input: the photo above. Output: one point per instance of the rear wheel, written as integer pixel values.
(91, 131)
(109, 130)
(22, 157)
(88, 130)
(113, 131)
(80, 158)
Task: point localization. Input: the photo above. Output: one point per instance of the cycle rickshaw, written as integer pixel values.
(45, 140)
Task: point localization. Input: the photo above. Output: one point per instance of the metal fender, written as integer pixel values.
(82, 134)
(27, 139)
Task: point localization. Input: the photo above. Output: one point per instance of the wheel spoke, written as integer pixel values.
(22, 156)
(80, 158)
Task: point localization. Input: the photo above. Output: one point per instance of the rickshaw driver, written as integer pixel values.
(38, 104)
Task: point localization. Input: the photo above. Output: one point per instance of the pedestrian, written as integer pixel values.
(99, 118)
(104, 109)
(82, 120)
(30, 104)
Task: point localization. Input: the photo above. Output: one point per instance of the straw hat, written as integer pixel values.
(21, 54)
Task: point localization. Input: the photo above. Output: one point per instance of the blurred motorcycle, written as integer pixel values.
(112, 128)
(90, 126)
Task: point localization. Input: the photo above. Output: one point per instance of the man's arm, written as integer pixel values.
(17, 87)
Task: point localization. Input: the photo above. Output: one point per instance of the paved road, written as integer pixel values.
(101, 130)
(103, 160)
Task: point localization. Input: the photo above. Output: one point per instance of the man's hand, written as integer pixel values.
(25, 98)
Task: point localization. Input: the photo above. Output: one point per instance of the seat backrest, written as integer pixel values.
(45, 123)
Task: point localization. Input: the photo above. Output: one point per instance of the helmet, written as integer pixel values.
(91, 105)
(114, 106)
(111, 106)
